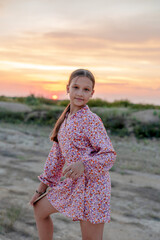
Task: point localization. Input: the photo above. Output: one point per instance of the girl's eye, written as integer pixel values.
(86, 89)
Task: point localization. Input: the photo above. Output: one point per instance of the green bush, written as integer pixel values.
(47, 101)
(44, 117)
(140, 106)
(32, 100)
(116, 125)
(98, 103)
(63, 103)
(121, 132)
(19, 99)
(51, 117)
(4, 99)
(155, 113)
(122, 103)
(115, 122)
(11, 117)
(147, 130)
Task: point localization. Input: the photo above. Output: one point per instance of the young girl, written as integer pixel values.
(79, 140)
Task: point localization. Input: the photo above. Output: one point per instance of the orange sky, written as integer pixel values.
(42, 42)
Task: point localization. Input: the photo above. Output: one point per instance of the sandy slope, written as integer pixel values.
(135, 194)
(14, 107)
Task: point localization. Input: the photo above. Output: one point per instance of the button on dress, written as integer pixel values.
(82, 138)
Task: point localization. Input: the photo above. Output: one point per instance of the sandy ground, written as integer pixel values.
(14, 107)
(135, 200)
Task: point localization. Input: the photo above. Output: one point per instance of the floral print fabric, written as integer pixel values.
(82, 138)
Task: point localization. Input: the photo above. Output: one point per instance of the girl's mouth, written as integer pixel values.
(79, 99)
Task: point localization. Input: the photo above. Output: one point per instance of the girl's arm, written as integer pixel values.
(52, 171)
(104, 155)
(53, 166)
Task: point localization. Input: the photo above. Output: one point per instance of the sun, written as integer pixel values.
(54, 97)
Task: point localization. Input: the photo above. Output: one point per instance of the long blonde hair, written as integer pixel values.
(76, 73)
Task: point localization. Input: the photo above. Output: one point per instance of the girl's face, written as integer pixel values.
(80, 90)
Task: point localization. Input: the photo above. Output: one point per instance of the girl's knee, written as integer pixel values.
(39, 212)
(43, 209)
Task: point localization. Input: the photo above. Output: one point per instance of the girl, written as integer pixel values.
(79, 140)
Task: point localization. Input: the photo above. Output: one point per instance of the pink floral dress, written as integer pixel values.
(82, 138)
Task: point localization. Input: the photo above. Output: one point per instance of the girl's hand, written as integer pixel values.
(42, 188)
(74, 171)
(34, 197)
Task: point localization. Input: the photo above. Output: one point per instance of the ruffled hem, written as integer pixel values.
(82, 218)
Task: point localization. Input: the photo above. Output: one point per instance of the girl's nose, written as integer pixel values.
(80, 92)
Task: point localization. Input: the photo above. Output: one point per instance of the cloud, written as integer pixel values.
(129, 29)
(63, 34)
(112, 84)
(50, 82)
(119, 21)
(69, 49)
(149, 89)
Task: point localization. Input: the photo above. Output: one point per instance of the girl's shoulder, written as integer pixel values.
(91, 118)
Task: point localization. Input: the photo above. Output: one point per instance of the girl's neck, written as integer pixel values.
(74, 109)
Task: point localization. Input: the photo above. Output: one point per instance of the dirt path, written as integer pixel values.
(23, 150)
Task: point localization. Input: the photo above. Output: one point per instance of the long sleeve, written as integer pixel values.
(53, 166)
(103, 156)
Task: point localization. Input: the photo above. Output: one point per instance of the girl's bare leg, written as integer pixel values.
(91, 231)
(42, 211)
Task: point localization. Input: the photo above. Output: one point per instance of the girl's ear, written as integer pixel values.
(92, 93)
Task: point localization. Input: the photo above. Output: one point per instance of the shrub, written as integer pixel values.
(43, 117)
(115, 123)
(4, 99)
(117, 126)
(155, 113)
(122, 103)
(51, 117)
(12, 117)
(32, 100)
(63, 103)
(47, 101)
(147, 130)
(98, 103)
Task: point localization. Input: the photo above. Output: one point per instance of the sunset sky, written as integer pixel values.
(43, 41)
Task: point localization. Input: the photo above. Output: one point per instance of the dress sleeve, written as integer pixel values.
(53, 166)
(103, 156)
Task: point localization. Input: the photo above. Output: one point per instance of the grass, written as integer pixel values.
(13, 213)
(9, 216)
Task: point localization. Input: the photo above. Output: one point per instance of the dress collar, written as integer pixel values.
(80, 112)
